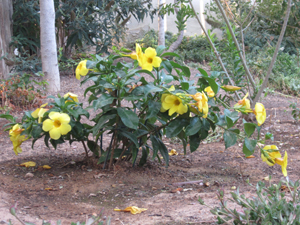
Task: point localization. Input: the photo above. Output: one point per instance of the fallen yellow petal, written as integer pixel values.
(28, 164)
(46, 167)
(131, 209)
(173, 152)
(251, 156)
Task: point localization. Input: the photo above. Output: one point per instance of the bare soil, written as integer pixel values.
(74, 189)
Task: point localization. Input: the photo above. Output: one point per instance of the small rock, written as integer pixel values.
(29, 175)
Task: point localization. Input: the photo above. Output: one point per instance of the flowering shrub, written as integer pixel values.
(137, 112)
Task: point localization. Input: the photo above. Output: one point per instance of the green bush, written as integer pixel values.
(194, 48)
(271, 205)
(285, 75)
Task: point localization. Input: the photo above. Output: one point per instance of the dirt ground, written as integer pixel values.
(77, 190)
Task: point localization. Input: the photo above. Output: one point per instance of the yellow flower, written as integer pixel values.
(202, 104)
(283, 163)
(260, 113)
(15, 130)
(16, 138)
(274, 153)
(131, 209)
(39, 112)
(173, 104)
(209, 92)
(81, 69)
(28, 164)
(137, 54)
(72, 96)
(149, 59)
(274, 157)
(243, 105)
(57, 125)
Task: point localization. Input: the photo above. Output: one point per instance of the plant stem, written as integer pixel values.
(85, 149)
(266, 80)
(249, 75)
(214, 49)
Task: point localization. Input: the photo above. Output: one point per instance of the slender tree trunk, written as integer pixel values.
(48, 45)
(6, 11)
(161, 25)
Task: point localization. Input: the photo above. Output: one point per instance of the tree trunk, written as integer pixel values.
(161, 25)
(6, 11)
(48, 45)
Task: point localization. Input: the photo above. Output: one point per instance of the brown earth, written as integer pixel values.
(78, 190)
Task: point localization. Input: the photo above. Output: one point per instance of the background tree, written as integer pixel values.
(5, 34)
(48, 45)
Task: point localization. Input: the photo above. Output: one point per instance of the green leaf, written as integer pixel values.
(103, 100)
(185, 85)
(249, 128)
(36, 131)
(194, 142)
(175, 127)
(203, 72)
(170, 54)
(144, 157)
(129, 118)
(167, 65)
(158, 145)
(166, 78)
(130, 136)
(269, 136)
(230, 138)
(160, 49)
(249, 146)
(93, 147)
(150, 88)
(8, 117)
(102, 120)
(154, 108)
(193, 127)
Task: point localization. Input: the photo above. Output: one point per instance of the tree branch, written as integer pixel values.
(266, 80)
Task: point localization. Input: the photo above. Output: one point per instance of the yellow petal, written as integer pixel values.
(46, 167)
(35, 113)
(55, 133)
(230, 88)
(47, 125)
(173, 152)
(65, 128)
(28, 164)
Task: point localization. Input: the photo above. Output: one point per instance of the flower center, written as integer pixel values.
(149, 60)
(177, 102)
(57, 123)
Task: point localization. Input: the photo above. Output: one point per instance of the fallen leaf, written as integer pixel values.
(132, 209)
(46, 167)
(173, 152)
(49, 189)
(28, 164)
(251, 156)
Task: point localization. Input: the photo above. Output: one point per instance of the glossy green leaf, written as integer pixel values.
(175, 127)
(153, 109)
(249, 146)
(230, 138)
(194, 142)
(103, 100)
(129, 118)
(249, 128)
(158, 145)
(194, 126)
(130, 136)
